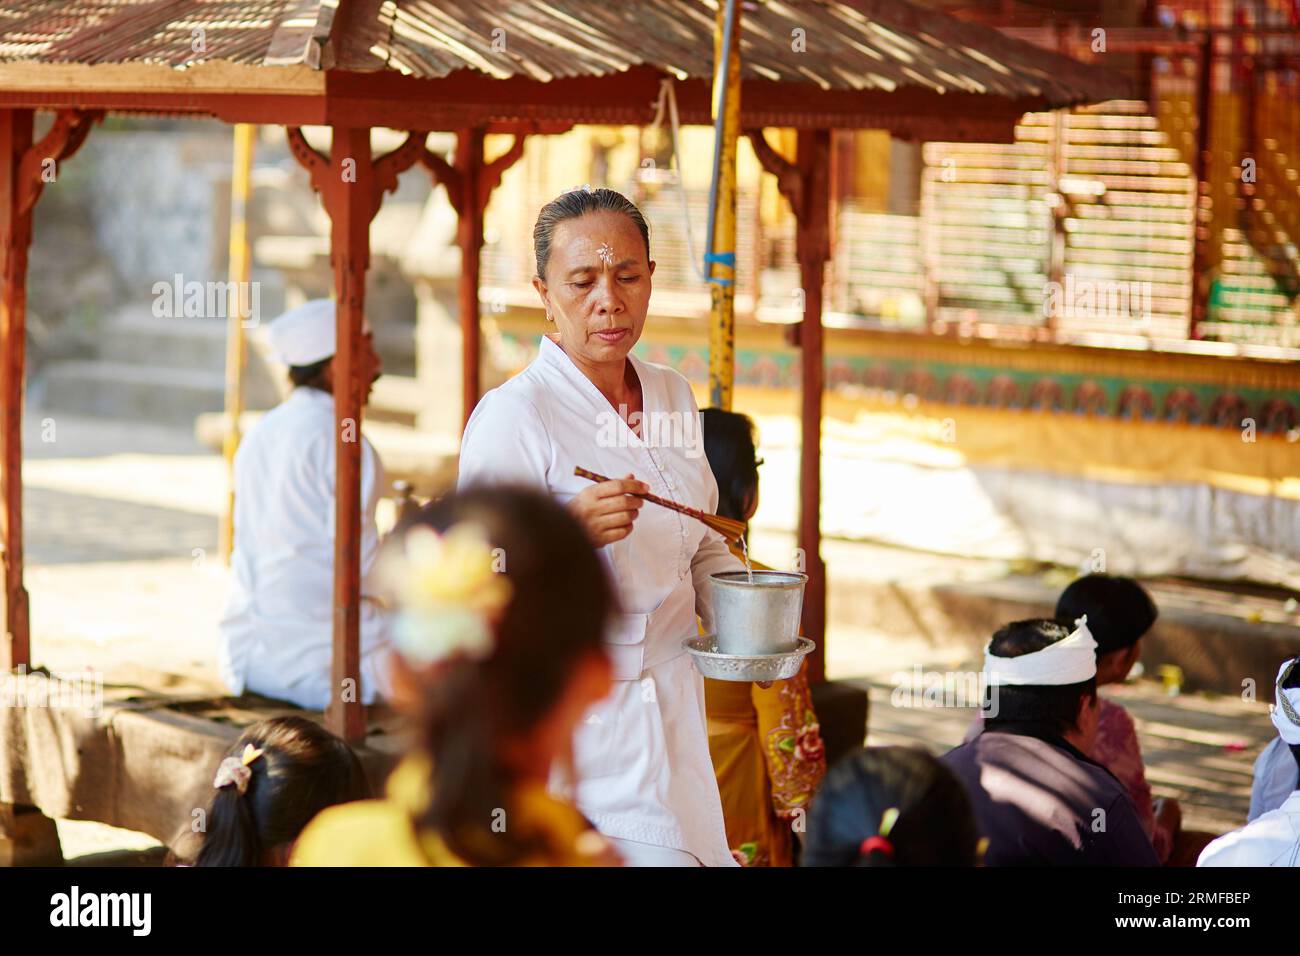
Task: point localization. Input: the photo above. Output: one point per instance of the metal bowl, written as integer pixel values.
(710, 662)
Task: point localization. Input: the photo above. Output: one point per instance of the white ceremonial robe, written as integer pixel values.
(278, 626)
(1271, 839)
(1275, 777)
(641, 758)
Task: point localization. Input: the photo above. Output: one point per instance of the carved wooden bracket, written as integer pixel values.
(385, 169)
(389, 166)
(445, 173)
(788, 178)
(63, 139)
(494, 170)
(453, 176)
(317, 166)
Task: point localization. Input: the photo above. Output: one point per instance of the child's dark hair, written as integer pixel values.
(933, 824)
(1119, 610)
(730, 447)
(303, 768)
(579, 202)
(1050, 709)
(560, 602)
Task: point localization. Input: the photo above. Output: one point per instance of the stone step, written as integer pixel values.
(135, 335)
(152, 393)
(142, 339)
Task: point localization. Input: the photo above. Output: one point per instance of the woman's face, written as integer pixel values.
(597, 286)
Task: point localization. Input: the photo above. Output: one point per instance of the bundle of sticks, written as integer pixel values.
(730, 529)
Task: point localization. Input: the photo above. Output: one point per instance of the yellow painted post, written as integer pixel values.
(236, 308)
(721, 262)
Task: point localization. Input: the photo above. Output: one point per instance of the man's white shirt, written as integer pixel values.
(1272, 839)
(277, 630)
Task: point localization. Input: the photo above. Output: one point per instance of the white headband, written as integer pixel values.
(1286, 712)
(1071, 661)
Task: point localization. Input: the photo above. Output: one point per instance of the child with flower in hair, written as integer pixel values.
(277, 776)
(501, 606)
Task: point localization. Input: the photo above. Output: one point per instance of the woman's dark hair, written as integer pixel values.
(1119, 610)
(579, 202)
(311, 375)
(302, 770)
(1052, 709)
(733, 456)
(560, 602)
(935, 825)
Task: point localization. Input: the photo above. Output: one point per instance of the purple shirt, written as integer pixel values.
(1043, 803)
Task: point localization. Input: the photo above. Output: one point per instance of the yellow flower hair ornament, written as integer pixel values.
(236, 770)
(448, 591)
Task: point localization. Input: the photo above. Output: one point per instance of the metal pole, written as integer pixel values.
(720, 250)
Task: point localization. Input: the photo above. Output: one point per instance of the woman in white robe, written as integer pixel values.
(641, 759)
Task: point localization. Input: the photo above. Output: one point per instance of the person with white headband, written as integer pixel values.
(1120, 613)
(276, 636)
(1276, 777)
(1039, 799)
(1272, 838)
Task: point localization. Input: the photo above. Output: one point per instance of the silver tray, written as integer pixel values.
(745, 667)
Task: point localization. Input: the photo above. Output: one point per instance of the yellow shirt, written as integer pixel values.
(382, 832)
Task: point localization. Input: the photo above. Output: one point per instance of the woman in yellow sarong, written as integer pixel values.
(764, 739)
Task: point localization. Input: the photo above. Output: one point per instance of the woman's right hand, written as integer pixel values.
(608, 508)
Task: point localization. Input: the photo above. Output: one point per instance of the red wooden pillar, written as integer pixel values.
(806, 185)
(469, 182)
(15, 239)
(351, 185)
(349, 198)
(812, 243)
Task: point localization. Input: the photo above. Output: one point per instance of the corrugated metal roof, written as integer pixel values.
(879, 45)
(177, 33)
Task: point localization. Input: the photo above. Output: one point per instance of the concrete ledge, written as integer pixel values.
(1217, 652)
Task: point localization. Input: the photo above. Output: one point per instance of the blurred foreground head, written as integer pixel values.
(502, 607)
(890, 806)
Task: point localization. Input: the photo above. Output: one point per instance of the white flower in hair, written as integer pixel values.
(449, 593)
